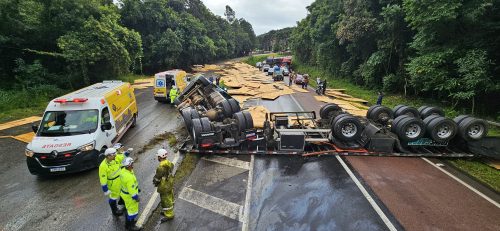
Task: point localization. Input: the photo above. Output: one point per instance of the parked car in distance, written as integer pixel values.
(286, 72)
(299, 79)
(258, 65)
(270, 71)
(266, 67)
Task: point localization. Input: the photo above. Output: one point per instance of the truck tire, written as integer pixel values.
(381, 114)
(429, 119)
(431, 111)
(177, 101)
(472, 129)
(235, 106)
(248, 119)
(186, 115)
(328, 110)
(240, 121)
(460, 118)
(347, 128)
(394, 124)
(410, 129)
(205, 124)
(442, 129)
(196, 130)
(368, 113)
(226, 108)
(203, 80)
(406, 110)
(421, 109)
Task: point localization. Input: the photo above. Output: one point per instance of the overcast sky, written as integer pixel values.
(263, 15)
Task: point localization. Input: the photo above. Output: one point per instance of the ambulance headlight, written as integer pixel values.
(87, 147)
(28, 153)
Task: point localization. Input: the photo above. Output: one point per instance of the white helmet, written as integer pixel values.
(127, 162)
(118, 146)
(110, 151)
(162, 153)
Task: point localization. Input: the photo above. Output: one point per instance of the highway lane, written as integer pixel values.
(75, 201)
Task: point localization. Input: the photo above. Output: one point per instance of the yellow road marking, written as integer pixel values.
(26, 138)
(16, 123)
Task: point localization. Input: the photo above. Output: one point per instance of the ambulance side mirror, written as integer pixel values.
(106, 126)
(34, 127)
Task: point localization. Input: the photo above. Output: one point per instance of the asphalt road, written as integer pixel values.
(75, 201)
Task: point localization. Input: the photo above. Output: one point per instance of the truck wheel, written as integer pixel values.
(134, 121)
(405, 110)
(240, 121)
(347, 128)
(196, 130)
(431, 111)
(460, 118)
(381, 114)
(203, 80)
(368, 113)
(226, 108)
(186, 115)
(333, 120)
(329, 110)
(421, 109)
(396, 108)
(206, 126)
(410, 129)
(248, 119)
(394, 125)
(429, 119)
(442, 129)
(235, 106)
(472, 129)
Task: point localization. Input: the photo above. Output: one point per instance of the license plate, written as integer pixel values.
(61, 169)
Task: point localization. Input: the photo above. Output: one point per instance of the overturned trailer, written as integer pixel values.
(217, 125)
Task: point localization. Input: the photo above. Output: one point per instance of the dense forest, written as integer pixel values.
(446, 50)
(275, 40)
(66, 44)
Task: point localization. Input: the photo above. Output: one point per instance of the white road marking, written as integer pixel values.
(153, 201)
(463, 183)
(229, 162)
(372, 202)
(214, 204)
(296, 102)
(246, 213)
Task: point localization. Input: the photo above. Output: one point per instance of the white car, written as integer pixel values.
(266, 67)
(258, 65)
(286, 72)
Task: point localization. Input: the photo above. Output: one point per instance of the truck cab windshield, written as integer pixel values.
(68, 123)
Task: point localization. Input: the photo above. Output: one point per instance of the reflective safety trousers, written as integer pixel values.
(173, 94)
(109, 176)
(129, 189)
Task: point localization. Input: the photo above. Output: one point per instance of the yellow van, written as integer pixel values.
(76, 128)
(164, 82)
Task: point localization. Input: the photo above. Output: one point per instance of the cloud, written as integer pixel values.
(263, 15)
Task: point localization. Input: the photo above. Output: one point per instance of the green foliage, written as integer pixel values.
(275, 40)
(480, 171)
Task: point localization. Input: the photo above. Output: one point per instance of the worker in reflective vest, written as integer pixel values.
(173, 94)
(164, 181)
(109, 176)
(130, 193)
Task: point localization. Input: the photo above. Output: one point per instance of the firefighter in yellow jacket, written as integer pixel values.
(164, 181)
(109, 176)
(130, 193)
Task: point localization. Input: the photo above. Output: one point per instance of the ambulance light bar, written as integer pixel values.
(72, 100)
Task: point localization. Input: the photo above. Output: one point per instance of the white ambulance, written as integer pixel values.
(76, 128)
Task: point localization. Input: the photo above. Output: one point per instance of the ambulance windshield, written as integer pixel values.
(68, 123)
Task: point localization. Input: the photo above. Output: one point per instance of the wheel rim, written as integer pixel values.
(476, 131)
(444, 131)
(349, 130)
(413, 131)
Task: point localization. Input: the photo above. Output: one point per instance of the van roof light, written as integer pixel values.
(71, 100)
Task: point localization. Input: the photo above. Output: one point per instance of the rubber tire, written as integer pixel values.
(235, 106)
(186, 115)
(411, 111)
(404, 123)
(134, 122)
(226, 109)
(203, 80)
(396, 108)
(421, 108)
(324, 112)
(370, 111)
(432, 128)
(240, 121)
(248, 119)
(463, 128)
(337, 128)
(206, 125)
(460, 118)
(395, 122)
(376, 112)
(177, 101)
(333, 120)
(430, 111)
(196, 130)
(430, 119)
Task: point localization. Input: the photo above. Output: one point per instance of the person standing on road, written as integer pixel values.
(130, 193)
(217, 80)
(306, 81)
(164, 181)
(173, 94)
(290, 79)
(109, 176)
(380, 97)
(324, 86)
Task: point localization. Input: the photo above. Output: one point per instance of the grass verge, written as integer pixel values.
(479, 170)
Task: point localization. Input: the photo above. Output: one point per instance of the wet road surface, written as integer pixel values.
(75, 201)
